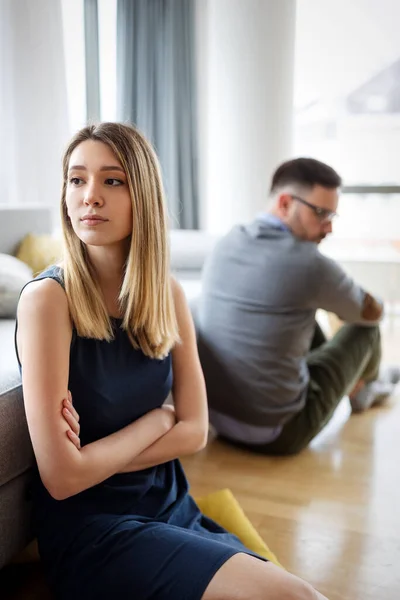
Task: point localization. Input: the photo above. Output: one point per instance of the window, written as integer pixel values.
(73, 12)
(347, 87)
(108, 58)
(74, 54)
(347, 107)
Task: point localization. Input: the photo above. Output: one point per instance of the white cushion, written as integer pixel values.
(14, 274)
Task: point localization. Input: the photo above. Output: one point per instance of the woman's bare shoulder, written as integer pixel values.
(44, 296)
(177, 291)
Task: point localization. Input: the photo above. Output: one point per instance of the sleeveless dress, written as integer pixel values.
(139, 535)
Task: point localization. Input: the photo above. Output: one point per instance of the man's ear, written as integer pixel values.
(284, 203)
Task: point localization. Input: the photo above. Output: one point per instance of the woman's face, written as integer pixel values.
(97, 195)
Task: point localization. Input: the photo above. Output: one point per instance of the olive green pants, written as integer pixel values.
(335, 366)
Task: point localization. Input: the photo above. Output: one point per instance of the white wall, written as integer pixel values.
(245, 98)
(33, 106)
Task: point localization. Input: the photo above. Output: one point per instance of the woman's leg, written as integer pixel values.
(244, 577)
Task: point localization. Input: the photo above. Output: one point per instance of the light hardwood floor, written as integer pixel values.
(331, 514)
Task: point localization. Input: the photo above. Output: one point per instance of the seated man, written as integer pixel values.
(273, 381)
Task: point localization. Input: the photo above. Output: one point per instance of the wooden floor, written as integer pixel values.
(331, 514)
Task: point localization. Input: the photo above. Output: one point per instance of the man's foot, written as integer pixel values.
(390, 374)
(377, 391)
(371, 394)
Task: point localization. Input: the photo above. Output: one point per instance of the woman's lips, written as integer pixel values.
(93, 220)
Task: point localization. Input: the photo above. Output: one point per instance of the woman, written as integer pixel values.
(110, 325)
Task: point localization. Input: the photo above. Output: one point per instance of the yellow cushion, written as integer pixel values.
(39, 251)
(223, 508)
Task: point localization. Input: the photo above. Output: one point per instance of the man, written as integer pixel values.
(273, 381)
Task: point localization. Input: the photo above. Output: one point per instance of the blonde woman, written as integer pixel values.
(110, 330)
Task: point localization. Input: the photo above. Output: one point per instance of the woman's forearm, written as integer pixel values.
(183, 439)
(99, 460)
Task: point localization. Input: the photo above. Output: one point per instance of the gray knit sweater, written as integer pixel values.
(256, 319)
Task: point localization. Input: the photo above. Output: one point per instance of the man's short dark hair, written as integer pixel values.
(306, 172)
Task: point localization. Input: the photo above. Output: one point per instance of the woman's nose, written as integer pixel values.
(92, 196)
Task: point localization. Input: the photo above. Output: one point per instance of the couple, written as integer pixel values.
(101, 341)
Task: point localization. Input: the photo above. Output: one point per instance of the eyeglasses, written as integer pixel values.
(323, 214)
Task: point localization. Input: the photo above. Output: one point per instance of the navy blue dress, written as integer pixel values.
(140, 535)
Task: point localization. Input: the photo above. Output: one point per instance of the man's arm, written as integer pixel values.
(336, 292)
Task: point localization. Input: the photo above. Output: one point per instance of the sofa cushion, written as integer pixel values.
(16, 529)
(9, 374)
(14, 274)
(16, 454)
(40, 251)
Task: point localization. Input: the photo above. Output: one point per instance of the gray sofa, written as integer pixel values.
(16, 456)
(188, 251)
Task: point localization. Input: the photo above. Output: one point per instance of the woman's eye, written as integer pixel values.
(75, 180)
(114, 182)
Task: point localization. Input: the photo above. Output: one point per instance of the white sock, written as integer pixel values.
(389, 374)
(372, 393)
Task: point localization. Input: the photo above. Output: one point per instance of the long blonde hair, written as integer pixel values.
(145, 298)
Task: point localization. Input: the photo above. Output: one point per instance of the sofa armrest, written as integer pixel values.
(18, 221)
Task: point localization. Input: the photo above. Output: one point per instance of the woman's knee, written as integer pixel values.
(290, 587)
(244, 577)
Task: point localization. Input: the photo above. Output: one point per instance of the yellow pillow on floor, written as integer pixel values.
(40, 251)
(223, 508)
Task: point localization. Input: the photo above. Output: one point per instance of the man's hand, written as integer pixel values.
(72, 418)
(372, 309)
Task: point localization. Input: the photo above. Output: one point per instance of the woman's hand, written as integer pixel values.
(72, 418)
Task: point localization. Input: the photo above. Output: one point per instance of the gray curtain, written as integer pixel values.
(92, 60)
(156, 92)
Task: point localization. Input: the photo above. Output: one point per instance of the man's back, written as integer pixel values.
(256, 320)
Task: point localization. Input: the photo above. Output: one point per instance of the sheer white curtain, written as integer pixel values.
(33, 101)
